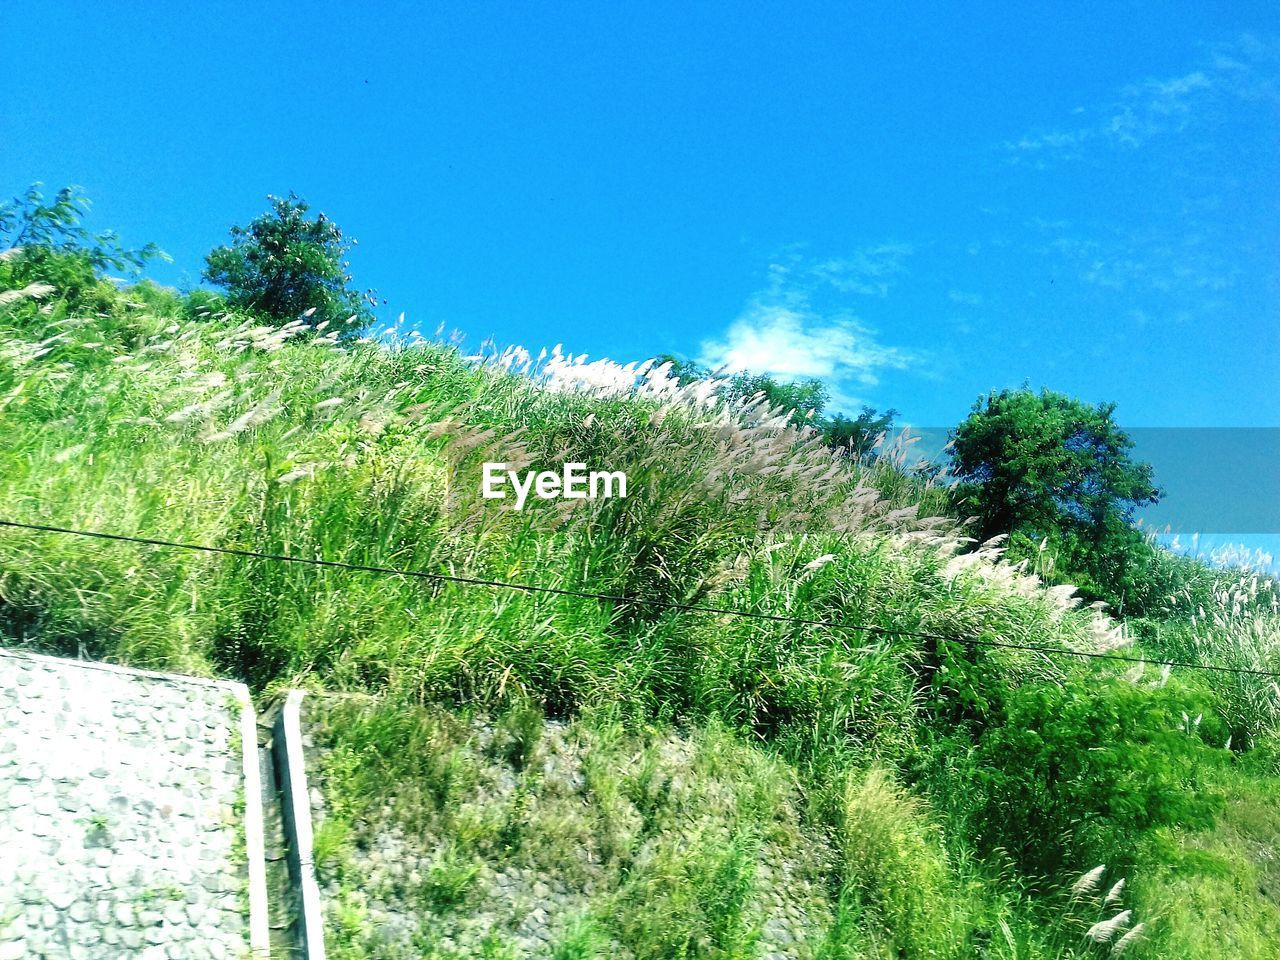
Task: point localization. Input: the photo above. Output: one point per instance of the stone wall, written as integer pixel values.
(126, 819)
(543, 840)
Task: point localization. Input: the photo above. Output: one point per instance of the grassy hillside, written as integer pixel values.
(938, 798)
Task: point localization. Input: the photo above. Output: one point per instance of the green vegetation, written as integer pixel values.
(1055, 476)
(1047, 468)
(285, 266)
(804, 402)
(923, 796)
(46, 248)
(167, 893)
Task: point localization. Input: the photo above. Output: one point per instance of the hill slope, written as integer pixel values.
(661, 768)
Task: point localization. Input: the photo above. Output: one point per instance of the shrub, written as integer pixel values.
(43, 243)
(1079, 772)
(285, 266)
(895, 867)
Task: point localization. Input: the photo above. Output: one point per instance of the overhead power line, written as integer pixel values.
(619, 598)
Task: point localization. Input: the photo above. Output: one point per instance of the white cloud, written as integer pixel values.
(1184, 268)
(1246, 70)
(1053, 141)
(869, 271)
(792, 341)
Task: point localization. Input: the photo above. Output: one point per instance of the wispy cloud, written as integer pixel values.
(1186, 268)
(783, 333)
(1059, 143)
(870, 271)
(1246, 70)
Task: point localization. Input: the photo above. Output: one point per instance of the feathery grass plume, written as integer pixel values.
(1104, 930)
(32, 291)
(1114, 894)
(62, 456)
(1128, 940)
(307, 470)
(1240, 629)
(819, 562)
(1088, 882)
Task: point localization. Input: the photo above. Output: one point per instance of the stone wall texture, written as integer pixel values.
(511, 861)
(121, 814)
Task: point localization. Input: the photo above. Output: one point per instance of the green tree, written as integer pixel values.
(852, 436)
(1049, 467)
(288, 266)
(43, 241)
(30, 223)
(681, 370)
(857, 436)
(805, 399)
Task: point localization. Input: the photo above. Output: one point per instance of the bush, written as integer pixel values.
(1079, 773)
(895, 867)
(45, 244)
(285, 267)
(68, 277)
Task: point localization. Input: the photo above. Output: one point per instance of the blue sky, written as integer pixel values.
(915, 205)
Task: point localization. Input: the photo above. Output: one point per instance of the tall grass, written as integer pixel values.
(214, 429)
(222, 432)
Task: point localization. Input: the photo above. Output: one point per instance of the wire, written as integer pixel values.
(618, 598)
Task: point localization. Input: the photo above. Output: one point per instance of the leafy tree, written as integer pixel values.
(857, 436)
(29, 223)
(1049, 467)
(287, 266)
(682, 371)
(805, 399)
(42, 241)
